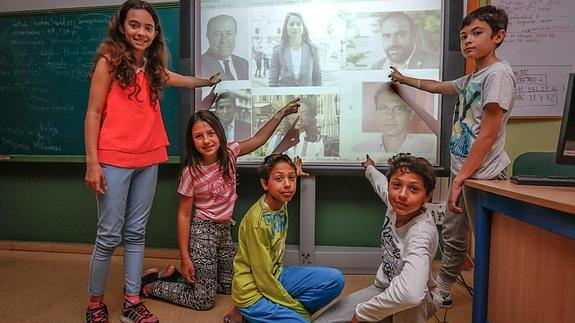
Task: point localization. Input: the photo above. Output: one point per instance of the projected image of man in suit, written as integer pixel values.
(399, 38)
(225, 107)
(221, 33)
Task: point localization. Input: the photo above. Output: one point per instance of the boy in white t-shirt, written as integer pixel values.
(409, 239)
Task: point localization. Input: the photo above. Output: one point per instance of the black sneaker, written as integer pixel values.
(234, 316)
(137, 313)
(440, 301)
(97, 314)
(173, 277)
(148, 277)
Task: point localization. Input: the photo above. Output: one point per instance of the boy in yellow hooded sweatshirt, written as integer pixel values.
(262, 289)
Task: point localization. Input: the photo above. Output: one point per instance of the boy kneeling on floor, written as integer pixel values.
(403, 284)
(263, 290)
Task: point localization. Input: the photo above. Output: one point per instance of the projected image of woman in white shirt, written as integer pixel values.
(295, 62)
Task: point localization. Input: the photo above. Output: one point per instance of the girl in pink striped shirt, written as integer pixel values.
(207, 197)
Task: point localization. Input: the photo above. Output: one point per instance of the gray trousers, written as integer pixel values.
(344, 309)
(455, 234)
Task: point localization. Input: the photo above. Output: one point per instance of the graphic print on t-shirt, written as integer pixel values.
(276, 220)
(219, 189)
(461, 136)
(390, 253)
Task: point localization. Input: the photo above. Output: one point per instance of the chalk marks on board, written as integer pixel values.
(43, 138)
(47, 43)
(539, 86)
(44, 69)
(45, 62)
(536, 21)
(539, 46)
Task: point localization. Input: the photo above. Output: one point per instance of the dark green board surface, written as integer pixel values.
(45, 60)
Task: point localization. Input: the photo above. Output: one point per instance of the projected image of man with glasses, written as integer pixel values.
(393, 117)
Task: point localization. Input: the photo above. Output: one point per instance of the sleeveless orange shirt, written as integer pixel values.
(132, 134)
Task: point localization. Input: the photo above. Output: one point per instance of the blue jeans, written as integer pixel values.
(122, 211)
(314, 287)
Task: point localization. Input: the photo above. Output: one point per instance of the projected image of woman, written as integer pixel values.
(295, 62)
(310, 141)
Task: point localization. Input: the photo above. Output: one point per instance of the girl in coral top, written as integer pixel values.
(125, 140)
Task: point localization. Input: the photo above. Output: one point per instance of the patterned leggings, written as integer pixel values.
(212, 253)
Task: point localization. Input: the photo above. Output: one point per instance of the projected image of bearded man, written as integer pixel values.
(399, 38)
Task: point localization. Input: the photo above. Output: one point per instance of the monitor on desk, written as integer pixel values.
(566, 145)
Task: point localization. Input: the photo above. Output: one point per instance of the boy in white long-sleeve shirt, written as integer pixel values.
(409, 242)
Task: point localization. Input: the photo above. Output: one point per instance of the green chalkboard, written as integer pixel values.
(45, 60)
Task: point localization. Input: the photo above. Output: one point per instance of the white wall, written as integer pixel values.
(26, 5)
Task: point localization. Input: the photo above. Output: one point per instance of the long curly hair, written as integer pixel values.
(119, 53)
(193, 156)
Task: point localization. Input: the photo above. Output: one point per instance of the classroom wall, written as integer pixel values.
(531, 135)
(48, 201)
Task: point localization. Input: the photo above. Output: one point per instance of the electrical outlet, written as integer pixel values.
(437, 211)
(305, 258)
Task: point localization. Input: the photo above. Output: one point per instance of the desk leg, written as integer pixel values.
(481, 271)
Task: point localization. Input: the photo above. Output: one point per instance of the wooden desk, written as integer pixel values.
(524, 253)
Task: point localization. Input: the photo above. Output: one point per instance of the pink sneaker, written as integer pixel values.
(97, 314)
